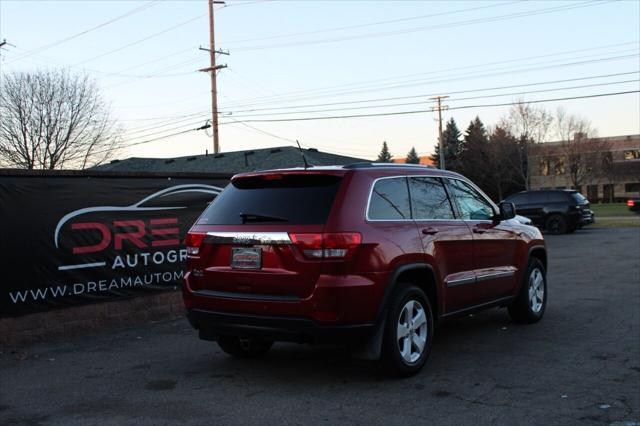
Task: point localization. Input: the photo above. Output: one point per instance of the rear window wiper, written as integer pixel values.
(253, 217)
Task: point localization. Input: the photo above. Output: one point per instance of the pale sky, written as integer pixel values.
(295, 59)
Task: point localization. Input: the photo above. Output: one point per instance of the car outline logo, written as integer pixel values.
(177, 189)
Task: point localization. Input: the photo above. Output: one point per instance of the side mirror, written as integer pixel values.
(507, 211)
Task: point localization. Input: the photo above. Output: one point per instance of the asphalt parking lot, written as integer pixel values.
(580, 365)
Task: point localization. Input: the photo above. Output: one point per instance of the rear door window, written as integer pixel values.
(557, 197)
(429, 199)
(538, 197)
(288, 198)
(390, 200)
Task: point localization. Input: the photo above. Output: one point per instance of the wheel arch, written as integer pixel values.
(539, 252)
(423, 275)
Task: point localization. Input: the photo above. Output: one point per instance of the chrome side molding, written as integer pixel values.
(460, 281)
(495, 275)
(480, 277)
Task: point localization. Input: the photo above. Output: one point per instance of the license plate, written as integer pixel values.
(246, 258)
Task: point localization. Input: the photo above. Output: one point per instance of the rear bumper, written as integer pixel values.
(212, 324)
(345, 299)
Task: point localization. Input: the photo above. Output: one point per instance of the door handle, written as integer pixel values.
(429, 230)
(479, 230)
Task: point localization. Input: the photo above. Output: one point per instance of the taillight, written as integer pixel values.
(310, 244)
(630, 203)
(193, 242)
(340, 245)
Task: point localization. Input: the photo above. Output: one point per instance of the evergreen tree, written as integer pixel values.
(385, 155)
(473, 158)
(453, 147)
(412, 157)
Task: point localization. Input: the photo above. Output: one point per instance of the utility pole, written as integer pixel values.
(3, 43)
(440, 107)
(212, 69)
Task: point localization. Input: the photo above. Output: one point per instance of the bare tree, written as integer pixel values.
(530, 125)
(53, 120)
(582, 154)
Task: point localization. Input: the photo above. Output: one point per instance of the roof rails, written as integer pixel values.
(366, 165)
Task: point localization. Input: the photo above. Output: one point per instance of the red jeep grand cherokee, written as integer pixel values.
(368, 255)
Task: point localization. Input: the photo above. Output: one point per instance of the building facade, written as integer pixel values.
(603, 169)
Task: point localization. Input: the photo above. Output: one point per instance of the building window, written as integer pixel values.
(592, 192)
(608, 193)
(632, 154)
(607, 159)
(632, 187)
(544, 167)
(559, 166)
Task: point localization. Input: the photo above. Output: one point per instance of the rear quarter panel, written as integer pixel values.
(386, 245)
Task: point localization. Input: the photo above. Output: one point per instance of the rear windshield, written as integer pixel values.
(286, 199)
(579, 197)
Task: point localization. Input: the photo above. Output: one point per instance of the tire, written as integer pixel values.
(403, 356)
(244, 348)
(556, 224)
(531, 302)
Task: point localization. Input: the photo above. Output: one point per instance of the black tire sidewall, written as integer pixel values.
(391, 352)
(520, 310)
(562, 224)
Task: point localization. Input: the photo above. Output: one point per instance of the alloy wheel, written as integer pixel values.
(536, 290)
(412, 331)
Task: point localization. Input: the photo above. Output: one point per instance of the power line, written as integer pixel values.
(327, 89)
(244, 122)
(133, 43)
(155, 126)
(422, 96)
(423, 111)
(161, 58)
(158, 73)
(247, 3)
(427, 28)
(81, 33)
(127, 145)
(431, 95)
(369, 24)
(264, 132)
(292, 141)
(164, 117)
(159, 132)
(466, 76)
(171, 119)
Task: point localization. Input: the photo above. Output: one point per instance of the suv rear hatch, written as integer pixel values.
(263, 236)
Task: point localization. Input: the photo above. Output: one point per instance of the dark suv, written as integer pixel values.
(367, 255)
(556, 210)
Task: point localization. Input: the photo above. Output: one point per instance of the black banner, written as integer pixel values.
(70, 240)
